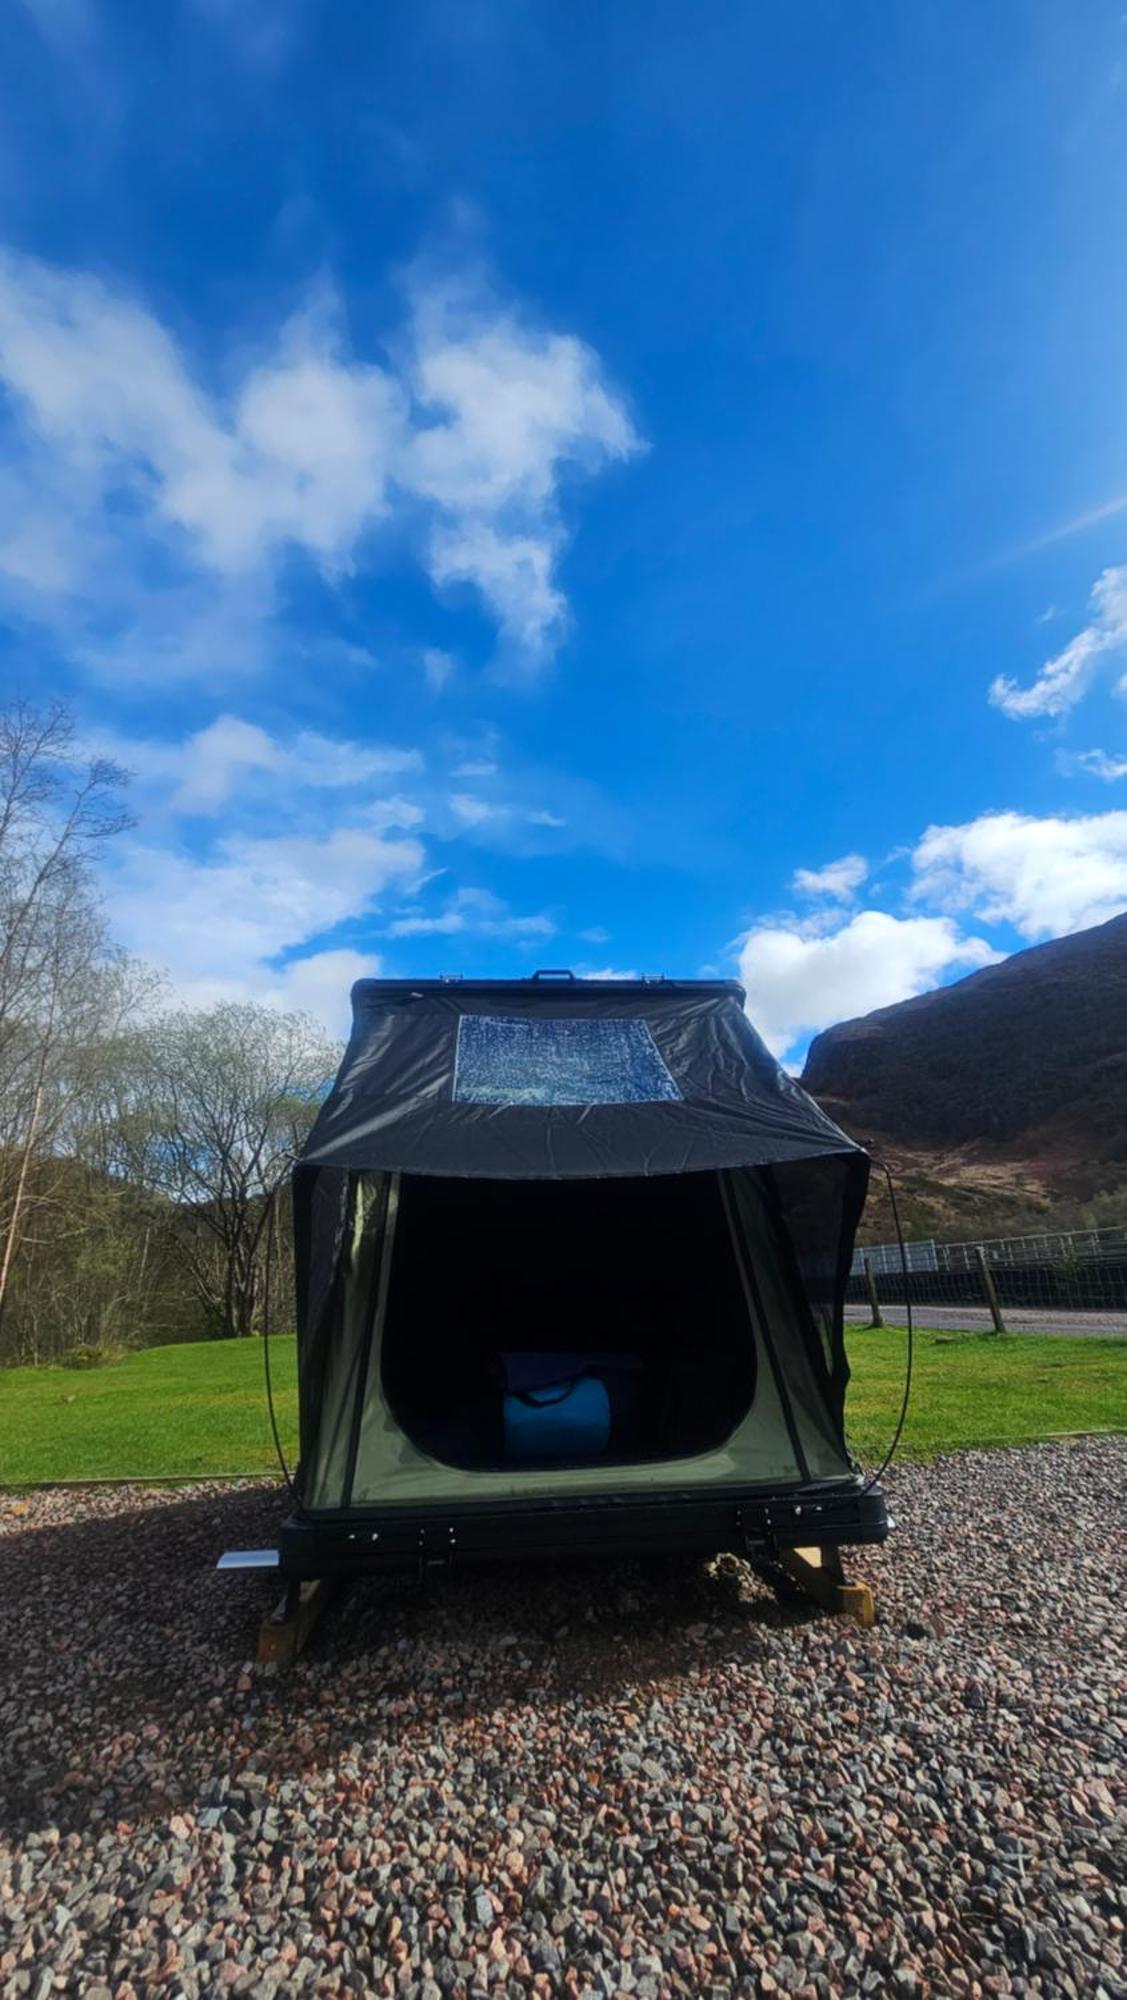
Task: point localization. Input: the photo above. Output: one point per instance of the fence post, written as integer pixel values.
(989, 1288)
(871, 1288)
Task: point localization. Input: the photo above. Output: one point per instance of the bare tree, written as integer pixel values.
(56, 973)
(210, 1109)
(96, 1270)
(140, 1153)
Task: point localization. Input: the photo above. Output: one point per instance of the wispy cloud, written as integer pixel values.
(198, 774)
(263, 34)
(471, 810)
(474, 912)
(254, 852)
(476, 767)
(1077, 524)
(1095, 763)
(438, 668)
(260, 859)
(1065, 679)
(70, 26)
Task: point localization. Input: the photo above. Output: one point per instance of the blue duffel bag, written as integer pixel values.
(554, 1409)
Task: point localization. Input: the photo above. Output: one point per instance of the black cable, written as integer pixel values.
(896, 1436)
(271, 1202)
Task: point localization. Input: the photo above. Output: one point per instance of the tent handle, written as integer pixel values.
(552, 972)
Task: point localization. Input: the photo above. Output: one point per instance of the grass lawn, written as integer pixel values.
(979, 1389)
(163, 1412)
(193, 1410)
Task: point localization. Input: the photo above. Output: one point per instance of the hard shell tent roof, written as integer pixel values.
(728, 1199)
(419, 1093)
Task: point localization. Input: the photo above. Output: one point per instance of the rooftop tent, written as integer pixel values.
(571, 1258)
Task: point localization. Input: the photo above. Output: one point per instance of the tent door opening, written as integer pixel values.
(533, 1324)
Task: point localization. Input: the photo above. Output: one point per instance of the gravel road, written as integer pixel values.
(591, 1783)
(976, 1319)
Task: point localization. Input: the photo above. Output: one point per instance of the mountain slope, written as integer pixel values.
(1018, 1073)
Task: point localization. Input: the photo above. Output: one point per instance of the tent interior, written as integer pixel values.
(482, 1337)
(532, 1323)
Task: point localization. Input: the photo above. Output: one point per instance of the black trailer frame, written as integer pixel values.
(753, 1524)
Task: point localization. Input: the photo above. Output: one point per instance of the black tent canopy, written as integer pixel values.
(571, 1260)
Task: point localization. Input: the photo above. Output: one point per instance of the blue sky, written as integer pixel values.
(636, 488)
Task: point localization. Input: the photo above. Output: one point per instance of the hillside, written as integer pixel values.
(1002, 1100)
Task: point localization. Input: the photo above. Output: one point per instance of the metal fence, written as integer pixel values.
(1067, 1271)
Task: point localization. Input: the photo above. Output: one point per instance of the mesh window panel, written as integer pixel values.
(503, 1061)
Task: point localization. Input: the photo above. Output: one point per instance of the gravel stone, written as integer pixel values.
(638, 1779)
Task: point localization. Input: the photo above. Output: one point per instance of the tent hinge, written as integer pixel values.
(757, 1543)
(441, 1557)
(761, 1537)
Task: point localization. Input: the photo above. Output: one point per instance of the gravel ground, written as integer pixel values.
(591, 1783)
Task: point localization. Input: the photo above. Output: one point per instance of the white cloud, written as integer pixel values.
(798, 984)
(610, 972)
(1065, 679)
(1098, 764)
(513, 572)
(218, 922)
(300, 455)
(319, 985)
(1044, 876)
(474, 911)
(510, 406)
(509, 409)
(838, 879)
(139, 499)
